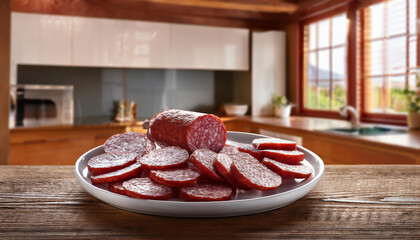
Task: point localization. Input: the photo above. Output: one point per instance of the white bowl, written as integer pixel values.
(235, 109)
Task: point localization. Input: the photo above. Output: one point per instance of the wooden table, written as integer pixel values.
(351, 201)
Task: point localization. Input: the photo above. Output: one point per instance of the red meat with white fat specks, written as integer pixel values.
(108, 162)
(188, 130)
(145, 188)
(117, 187)
(164, 158)
(289, 157)
(203, 160)
(223, 165)
(175, 177)
(206, 192)
(255, 175)
(120, 174)
(127, 142)
(287, 170)
(246, 148)
(274, 143)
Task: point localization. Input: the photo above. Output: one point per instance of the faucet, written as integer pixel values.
(345, 111)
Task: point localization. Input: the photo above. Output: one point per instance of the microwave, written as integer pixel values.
(41, 105)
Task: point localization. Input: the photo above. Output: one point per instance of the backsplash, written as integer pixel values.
(96, 89)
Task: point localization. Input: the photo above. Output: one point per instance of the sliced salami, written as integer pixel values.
(116, 187)
(206, 192)
(203, 160)
(118, 175)
(109, 162)
(246, 148)
(126, 142)
(255, 175)
(288, 171)
(223, 165)
(145, 188)
(289, 157)
(164, 158)
(175, 177)
(274, 143)
(188, 130)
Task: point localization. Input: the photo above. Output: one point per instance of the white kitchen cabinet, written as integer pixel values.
(55, 40)
(96, 42)
(233, 47)
(41, 39)
(144, 44)
(25, 36)
(198, 47)
(194, 47)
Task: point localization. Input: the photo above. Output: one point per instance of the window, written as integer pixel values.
(369, 68)
(325, 53)
(389, 55)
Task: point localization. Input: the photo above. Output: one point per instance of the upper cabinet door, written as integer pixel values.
(96, 42)
(194, 47)
(199, 47)
(41, 39)
(144, 44)
(25, 38)
(55, 40)
(234, 52)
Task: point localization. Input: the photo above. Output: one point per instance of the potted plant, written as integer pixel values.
(282, 106)
(413, 101)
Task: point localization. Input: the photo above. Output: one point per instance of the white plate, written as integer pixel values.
(243, 203)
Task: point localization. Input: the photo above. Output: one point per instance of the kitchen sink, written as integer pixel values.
(367, 131)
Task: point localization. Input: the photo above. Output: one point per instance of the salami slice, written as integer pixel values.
(289, 157)
(288, 171)
(204, 160)
(188, 130)
(274, 143)
(145, 188)
(164, 158)
(126, 142)
(175, 177)
(109, 162)
(116, 187)
(246, 148)
(255, 175)
(223, 165)
(206, 192)
(120, 174)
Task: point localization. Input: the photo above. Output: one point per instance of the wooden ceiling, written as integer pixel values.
(254, 14)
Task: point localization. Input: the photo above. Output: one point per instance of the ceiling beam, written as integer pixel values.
(279, 7)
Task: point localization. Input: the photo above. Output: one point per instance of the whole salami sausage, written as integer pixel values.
(188, 130)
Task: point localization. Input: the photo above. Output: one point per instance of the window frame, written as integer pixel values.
(355, 69)
(316, 112)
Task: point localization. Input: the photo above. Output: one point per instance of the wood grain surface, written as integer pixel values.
(351, 201)
(4, 78)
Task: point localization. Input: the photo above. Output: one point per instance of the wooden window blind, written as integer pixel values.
(389, 56)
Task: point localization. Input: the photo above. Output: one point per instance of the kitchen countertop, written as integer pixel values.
(351, 201)
(409, 140)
